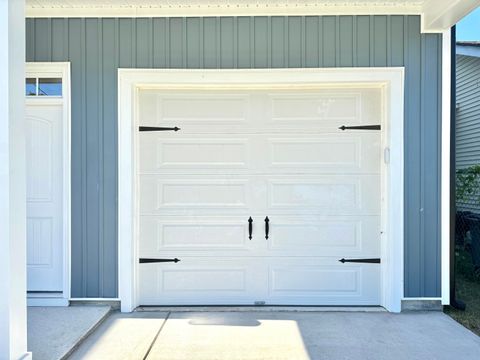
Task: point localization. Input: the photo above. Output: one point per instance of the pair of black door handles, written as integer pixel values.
(250, 227)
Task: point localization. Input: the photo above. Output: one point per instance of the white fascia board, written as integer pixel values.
(227, 9)
(437, 15)
(468, 50)
(441, 15)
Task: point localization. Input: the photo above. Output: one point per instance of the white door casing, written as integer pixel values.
(390, 83)
(276, 153)
(48, 189)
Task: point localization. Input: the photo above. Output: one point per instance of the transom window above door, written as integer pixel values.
(43, 86)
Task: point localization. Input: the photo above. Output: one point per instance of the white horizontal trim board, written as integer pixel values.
(389, 80)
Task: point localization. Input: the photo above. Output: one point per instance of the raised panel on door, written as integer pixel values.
(269, 153)
(260, 111)
(206, 111)
(354, 194)
(194, 195)
(194, 281)
(317, 281)
(167, 153)
(323, 194)
(195, 236)
(325, 109)
(324, 236)
(334, 153)
(44, 169)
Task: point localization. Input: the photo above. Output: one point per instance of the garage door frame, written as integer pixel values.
(390, 80)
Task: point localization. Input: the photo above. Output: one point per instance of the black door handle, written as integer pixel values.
(250, 227)
(267, 227)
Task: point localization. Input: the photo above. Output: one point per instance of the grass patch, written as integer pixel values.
(468, 291)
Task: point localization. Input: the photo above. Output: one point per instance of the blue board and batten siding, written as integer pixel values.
(96, 48)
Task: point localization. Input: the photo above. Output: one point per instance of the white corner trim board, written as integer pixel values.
(58, 70)
(389, 80)
(445, 163)
(13, 311)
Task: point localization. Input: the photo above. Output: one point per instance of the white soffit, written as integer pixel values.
(437, 15)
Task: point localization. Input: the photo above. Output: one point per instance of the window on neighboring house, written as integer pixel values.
(43, 87)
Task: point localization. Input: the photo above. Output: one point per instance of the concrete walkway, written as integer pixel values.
(53, 332)
(279, 335)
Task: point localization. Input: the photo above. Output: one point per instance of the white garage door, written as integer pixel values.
(255, 154)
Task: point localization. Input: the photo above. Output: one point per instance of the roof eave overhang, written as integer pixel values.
(437, 15)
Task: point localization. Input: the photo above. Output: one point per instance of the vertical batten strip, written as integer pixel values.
(218, 47)
(389, 44)
(235, 42)
(286, 62)
(303, 45)
(83, 55)
(320, 41)
(337, 44)
(423, 87)
(354, 41)
(167, 43)
(184, 51)
(101, 182)
(201, 43)
(269, 42)
(150, 42)
(372, 40)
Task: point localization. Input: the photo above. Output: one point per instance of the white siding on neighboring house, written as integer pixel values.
(468, 117)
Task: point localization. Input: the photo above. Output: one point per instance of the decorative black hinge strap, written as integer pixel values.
(157, 128)
(360, 127)
(147, 260)
(370, 261)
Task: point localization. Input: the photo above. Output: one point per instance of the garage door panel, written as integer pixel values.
(315, 106)
(162, 195)
(334, 195)
(323, 282)
(331, 153)
(193, 235)
(329, 108)
(168, 155)
(339, 236)
(181, 108)
(202, 281)
(259, 153)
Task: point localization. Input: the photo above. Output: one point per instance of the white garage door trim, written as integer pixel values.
(391, 80)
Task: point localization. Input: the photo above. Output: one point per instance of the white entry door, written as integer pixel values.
(44, 155)
(244, 154)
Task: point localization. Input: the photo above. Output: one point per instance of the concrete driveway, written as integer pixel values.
(279, 335)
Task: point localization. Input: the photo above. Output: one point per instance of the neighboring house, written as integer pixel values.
(468, 112)
(233, 153)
